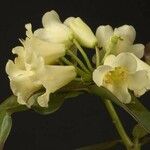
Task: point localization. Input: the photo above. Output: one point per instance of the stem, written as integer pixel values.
(84, 75)
(126, 140)
(97, 57)
(83, 54)
(78, 61)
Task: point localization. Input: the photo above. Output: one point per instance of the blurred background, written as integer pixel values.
(80, 121)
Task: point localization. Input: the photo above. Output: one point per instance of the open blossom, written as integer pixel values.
(35, 68)
(81, 31)
(49, 51)
(122, 73)
(119, 40)
(54, 30)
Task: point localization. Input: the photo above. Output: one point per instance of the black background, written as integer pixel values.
(83, 120)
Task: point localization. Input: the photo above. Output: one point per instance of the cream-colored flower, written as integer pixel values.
(53, 78)
(82, 32)
(54, 30)
(50, 51)
(119, 40)
(122, 73)
(33, 69)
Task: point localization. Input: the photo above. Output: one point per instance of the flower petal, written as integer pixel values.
(50, 18)
(122, 46)
(57, 33)
(121, 92)
(53, 78)
(103, 34)
(48, 50)
(23, 87)
(110, 60)
(138, 50)
(125, 60)
(126, 32)
(139, 82)
(141, 65)
(99, 74)
(54, 30)
(29, 32)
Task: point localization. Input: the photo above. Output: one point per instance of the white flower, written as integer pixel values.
(122, 73)
(119, 40)
(82, 32)
(49, 51)
(54, 30)
(33, 70)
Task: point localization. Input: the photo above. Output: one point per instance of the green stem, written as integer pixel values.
(78, 61)
(84, 75)
(97, 57)
(83, 54)
(126, 140)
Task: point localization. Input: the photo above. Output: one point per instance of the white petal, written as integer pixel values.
(141, 65)
(48, 50)
(42, 34)
(29, 32)
(54, 30)
(122, 46)
(138, 50)
(126, 32)
(103, 34)
(99, 74)
(125, 60)
(50, 18)
(139, 82)
(53, 78)
(23, 87)
(110, 60)
(121, 92)
(12, 69)
(58, 33)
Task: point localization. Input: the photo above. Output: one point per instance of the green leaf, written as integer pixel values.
(5, 127)
(11, 105)
(135, 108)
(55, 102)
(102, 146)
(139, 132)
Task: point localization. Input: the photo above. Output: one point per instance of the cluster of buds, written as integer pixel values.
(40, 60)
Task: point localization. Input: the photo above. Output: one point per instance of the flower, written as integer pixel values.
(35, 67)
(122, 73)
(119, 40)
(54, 30)
(49, 51)
(82, 32)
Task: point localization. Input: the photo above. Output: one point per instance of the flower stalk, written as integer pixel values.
(78, 61)
(83, 54)
(121, 131)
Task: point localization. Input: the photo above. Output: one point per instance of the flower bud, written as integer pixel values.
(82, 32)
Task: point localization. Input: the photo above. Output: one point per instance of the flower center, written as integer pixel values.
(116, 76)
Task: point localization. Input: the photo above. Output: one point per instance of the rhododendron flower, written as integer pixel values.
(29, 72)
(119, 40)
(122, 73)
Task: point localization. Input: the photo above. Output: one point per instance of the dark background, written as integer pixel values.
(83, 120)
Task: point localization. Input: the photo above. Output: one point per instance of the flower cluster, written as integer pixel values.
(38, 66)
